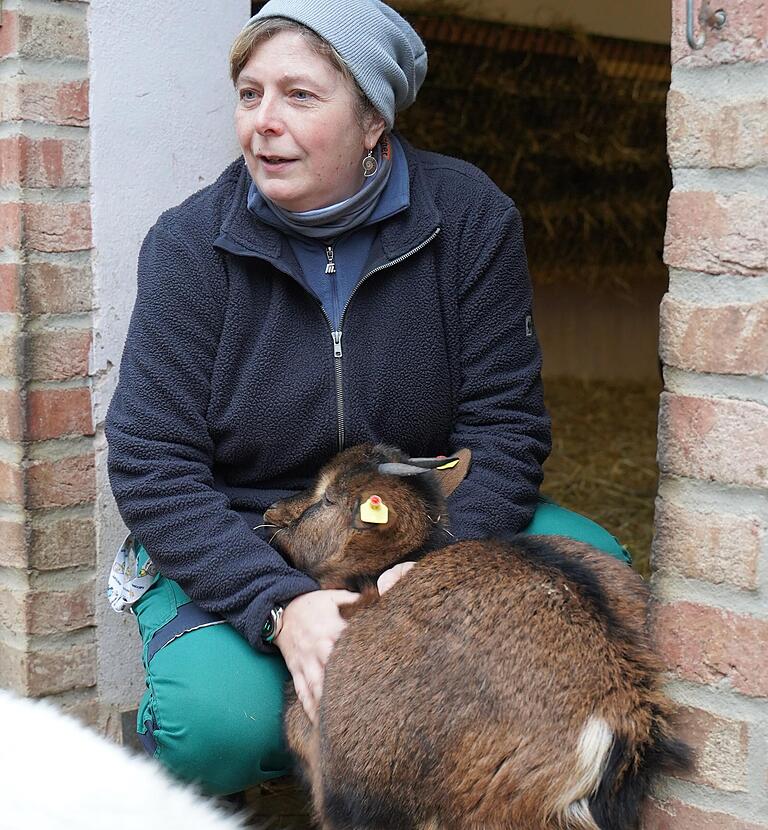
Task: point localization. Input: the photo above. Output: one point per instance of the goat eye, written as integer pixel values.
(327, 500)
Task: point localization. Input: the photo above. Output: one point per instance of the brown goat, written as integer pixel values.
(496, 685)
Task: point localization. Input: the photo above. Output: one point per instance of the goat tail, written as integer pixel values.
(626, 778)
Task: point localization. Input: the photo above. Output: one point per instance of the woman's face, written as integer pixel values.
(296, 124)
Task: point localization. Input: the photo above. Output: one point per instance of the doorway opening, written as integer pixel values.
(572, 126)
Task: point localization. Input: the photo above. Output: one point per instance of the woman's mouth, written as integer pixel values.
(275, 162)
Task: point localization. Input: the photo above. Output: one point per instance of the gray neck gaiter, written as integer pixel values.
(334, 220)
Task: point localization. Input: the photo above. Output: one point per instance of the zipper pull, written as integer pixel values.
(330, 268)
(336, 335)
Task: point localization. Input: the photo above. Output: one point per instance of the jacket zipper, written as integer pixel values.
(330, 268)
(336, 335)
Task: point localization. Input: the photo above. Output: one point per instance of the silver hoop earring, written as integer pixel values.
(370, 165)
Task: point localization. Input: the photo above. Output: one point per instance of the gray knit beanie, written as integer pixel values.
(383, 52)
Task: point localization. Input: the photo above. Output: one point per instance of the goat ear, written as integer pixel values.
(414, 466)
(450, 472)
(450, 477)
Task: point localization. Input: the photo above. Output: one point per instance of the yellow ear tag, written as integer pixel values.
(375, 511)
(450, 465)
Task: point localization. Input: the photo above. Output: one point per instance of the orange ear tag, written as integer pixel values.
(374, 510)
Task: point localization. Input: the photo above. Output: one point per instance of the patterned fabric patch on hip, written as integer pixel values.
(128, 581)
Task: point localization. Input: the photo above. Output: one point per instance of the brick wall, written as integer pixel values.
(711, 539)
(47, 482)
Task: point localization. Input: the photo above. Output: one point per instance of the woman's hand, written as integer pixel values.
(311, 626)
(391, 575)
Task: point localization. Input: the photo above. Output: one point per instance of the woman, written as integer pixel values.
(334, 286)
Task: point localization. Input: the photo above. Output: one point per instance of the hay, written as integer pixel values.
(603, 461)
(571, 125)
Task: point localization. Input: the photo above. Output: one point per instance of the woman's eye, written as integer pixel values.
(302, 95)
(247, 95)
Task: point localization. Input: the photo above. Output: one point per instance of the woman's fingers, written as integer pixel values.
(343, 597)
(311, 626)
(312, 687)
(314, 677)
(392, 575)
(304, 696)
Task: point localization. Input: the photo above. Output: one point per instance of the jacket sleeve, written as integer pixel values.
(161, 453)
(500, 416)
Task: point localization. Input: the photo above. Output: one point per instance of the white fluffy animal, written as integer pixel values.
(55, 774)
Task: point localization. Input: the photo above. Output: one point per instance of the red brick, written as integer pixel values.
(743, 38)
(12, 610)
(11, 483)
(708, 645)
(44, 102)
(52, 37)
(62, 543)
(62, 483)
(10, 92)
(69, 667)
(52, 413)
(13, 545)
(730, 133)
(712, 546)
(57, 287)
(35, 612)
(9, 353)
(52, 612)
(9, 34)
(58, 354)
(58, 227)
(721, 339)
(9, 288)
(87, 709)
(46, 162)
(717, 233)
(714, 439)
(11, 160)
(721, 749)
(37, 673)
(13, 668)
(71, 103)
(10, 224)
(22, 99)
(10, 415)
(57, 162)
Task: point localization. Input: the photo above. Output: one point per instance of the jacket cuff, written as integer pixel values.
(279, 594)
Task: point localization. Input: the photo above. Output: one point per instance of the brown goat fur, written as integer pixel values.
(496, 685)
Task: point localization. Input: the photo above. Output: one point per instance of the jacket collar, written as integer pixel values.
(244, 234)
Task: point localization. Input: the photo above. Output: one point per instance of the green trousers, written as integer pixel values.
(212, 709)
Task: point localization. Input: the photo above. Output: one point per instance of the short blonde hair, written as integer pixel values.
(260, 30)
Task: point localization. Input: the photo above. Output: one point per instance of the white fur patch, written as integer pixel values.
(591, 755)
(321, 486)
(579, 816)
(56, 773)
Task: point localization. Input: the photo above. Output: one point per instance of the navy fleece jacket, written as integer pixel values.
(233, 389)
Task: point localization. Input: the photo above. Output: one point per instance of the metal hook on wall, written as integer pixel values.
(708, 19)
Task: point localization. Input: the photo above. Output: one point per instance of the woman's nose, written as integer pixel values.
(267, 116)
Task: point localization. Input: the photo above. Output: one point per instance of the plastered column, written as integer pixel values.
(161, 107)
